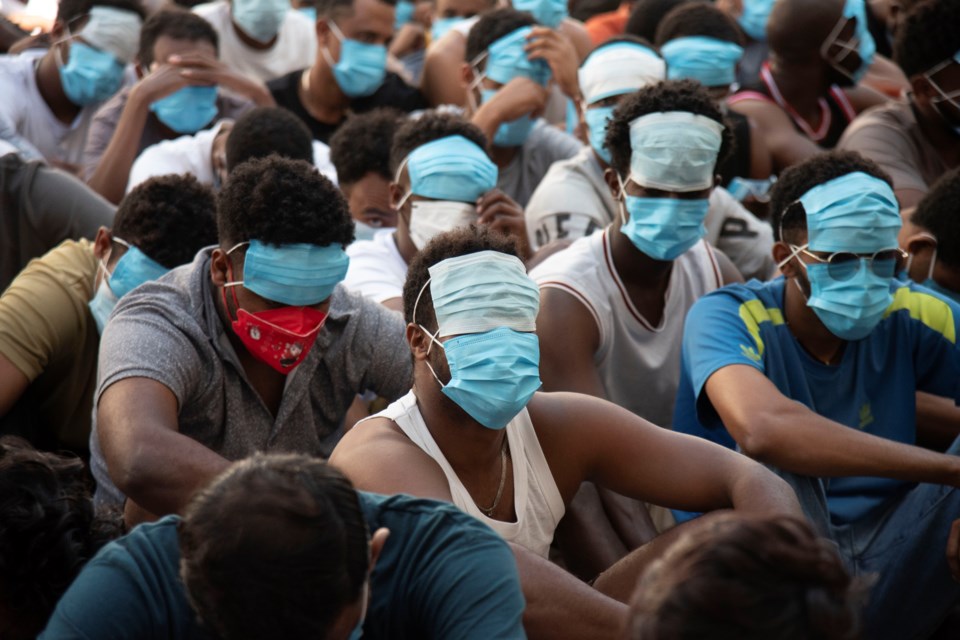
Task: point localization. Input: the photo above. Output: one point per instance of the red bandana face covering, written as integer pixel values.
(280, 337)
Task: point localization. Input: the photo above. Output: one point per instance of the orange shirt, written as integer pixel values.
(606, 25)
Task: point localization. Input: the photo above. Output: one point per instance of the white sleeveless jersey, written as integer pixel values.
(639, 364)
(537, 500)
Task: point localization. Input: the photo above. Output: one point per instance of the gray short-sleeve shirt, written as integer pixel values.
(168, 330)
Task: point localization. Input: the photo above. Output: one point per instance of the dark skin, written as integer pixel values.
(777, 431)
(379, 457)
(151, 462)
(804, 77)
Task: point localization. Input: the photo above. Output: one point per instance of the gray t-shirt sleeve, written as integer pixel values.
(101, 130)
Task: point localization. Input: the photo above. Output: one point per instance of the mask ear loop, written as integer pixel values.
(232, 283)
(406, 196)
(432, 337)
(478, 78)
(796, 250)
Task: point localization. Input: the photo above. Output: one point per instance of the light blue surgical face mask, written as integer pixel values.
(260, 19)
(298, 275)
(404, 14)
(549, 13)
(754, 18)
(663, 228)
(513, 133)
(310, 12)
(187, 110)
(451, 168)
(597, 119)
(493, 375)
(132, 269)
(849, 307)
(441, 26)
(102, 304)
(709, 61)
(363, 231)
(361, 68)
(864, 45)
(90, 75)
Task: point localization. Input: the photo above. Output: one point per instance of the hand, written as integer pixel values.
(953, 550)
(160, 83)
(203, 70)
(497, 209)
(519, 97)
(556, 50)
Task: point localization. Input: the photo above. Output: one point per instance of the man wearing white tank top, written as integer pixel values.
(613, 304)
(474, 431)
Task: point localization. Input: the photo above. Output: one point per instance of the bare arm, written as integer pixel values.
(787, 146)
(728, 272)
(12, 384)
(569, 337)
(148, 458)
(559, 606)
(761, 162)
(938, 421)
(440, 82)
(776, 430)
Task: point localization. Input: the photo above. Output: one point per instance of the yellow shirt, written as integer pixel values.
(48, 333)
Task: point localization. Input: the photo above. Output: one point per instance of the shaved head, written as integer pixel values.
(797, 28)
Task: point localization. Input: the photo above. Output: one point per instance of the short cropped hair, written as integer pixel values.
(429, 127)
(276, 547)
(670, 95)
(937, 213)
(48, 531)
(70, 10)
(646, 15)
(786, 214)
(362, 145)
(263, 131)
(748, 578)
(927, 35)
(458, 242)
(169, 218)
(698, 19)
(175, 23)
(492, 26)
(279, 201)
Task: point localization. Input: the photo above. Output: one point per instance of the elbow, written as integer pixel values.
(755, 439)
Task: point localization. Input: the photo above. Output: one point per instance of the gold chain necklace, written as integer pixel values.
(488, 511)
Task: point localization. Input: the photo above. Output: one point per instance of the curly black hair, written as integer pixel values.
(698, 19)
(646, 16)
(800, 178)
(176, 23)
(458, 242)
(48, 531)
(362, 145)
(327, 8)
(671, 95)
(280, 201)
(429, 127)
(927, 35)
(263, 131)
(70, 10)
(170, 218)
(492, 26)
(276, 547)
(937, 213)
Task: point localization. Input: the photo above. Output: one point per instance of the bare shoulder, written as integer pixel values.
(577, 32)
(377, 456)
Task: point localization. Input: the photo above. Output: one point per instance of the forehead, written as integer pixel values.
(166, 46)
(462, 7)
(368, 16)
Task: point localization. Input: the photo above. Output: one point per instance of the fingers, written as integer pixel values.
(953, 550)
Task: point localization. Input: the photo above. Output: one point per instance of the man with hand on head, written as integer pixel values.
(444, 180)
(53, 313)
(282, 546)
(474, 431)
(349, 74)
(252, 347)
(261, 39)
(48, 102)
(177, 94)
(815, 374)
(506, 94)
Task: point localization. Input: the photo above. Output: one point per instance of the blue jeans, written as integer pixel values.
(904, 545)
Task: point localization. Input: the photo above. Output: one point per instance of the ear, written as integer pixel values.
(396, 195)
(610, 176)
(322, 29)
(467, 74)
(220, 267)
(103, 244)
(782, 251)
(922, 89)
(418, 341)
(920, 242)
(377, 540)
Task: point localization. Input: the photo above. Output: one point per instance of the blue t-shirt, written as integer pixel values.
(441, 574)
(872, 389)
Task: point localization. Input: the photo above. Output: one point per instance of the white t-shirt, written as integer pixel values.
(377, 270)
(194, 154)
(295, 48)
(28, 123)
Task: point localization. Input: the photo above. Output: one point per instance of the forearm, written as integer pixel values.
(938, 421)
(560, 606)
(113, 170)
(487, 120)
(756, 489)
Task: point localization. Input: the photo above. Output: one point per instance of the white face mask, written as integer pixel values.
(429, 218)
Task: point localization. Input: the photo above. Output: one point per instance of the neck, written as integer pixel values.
(469, 447)
(51, 89)
(250, 42)
(807, 328)
(946, 277)
(634, 266)
(503, 156)
(937, 133)
(801, 85)
(408, 251)
(321, 96)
